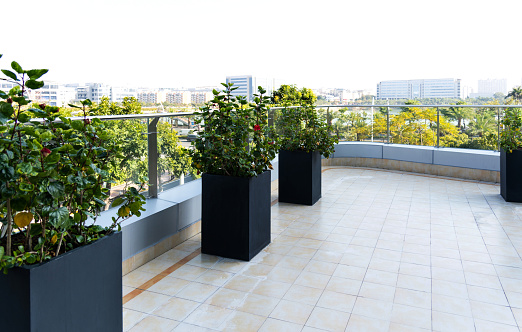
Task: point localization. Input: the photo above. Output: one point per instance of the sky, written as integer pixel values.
(313, 43)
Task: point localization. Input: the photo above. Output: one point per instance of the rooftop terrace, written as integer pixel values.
(381, 251)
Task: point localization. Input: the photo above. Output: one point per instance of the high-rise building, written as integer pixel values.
(248, 85)
(416, 89)
(53, 94)
(487, 88)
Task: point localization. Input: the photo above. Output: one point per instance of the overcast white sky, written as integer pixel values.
(313, 43)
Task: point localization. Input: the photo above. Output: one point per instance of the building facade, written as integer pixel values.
(243, 84)
(488, 88)
(417, 89)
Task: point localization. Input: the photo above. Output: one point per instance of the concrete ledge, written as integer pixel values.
(407, 166)
(468, 158)
(417, 154)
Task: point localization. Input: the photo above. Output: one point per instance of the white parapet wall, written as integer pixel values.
(480, 165)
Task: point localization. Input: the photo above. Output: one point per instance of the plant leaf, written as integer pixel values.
(32, 84)
(35, 74)
(10, 74)
(23, 219)
(17, 67)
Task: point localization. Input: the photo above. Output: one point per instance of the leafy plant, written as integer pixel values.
(511, 134)
(236, 139)
(54, 173)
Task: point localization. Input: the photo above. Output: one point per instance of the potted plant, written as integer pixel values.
(304, 137)
(511, 155)
(234, 151)
(61, 271)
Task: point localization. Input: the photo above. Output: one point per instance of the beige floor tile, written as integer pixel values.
(487, 326)
(482, 280)
(381, 277)
(184, 327)
(131, 318)
(359, 323)
(203, 260)
(214, 277)
(282, 274)
(493, 313)
(413, 298)
(267, 258)
(188, 272)
(189, 246)
(169, 286)
(126, 290)
(153, 323)
(311, 279)
(242, 322)
(354, 260)
(242, 283)
(227, 298)
(488, 295)
(176, 308)
(450, 289)
(293, 312)
(395, 327)
(384, 265)
(290, 262)
(196, 291)
(173, 256)
(321, 267)
(271, 325)
(156, 266)
(310, 243)
(336, 301)
(377, 291)
(327, 256)
(510, 284)
(411, 316)
(302, 294)
(208, 316)
(451, 305)
(146, 302)
(518, 315)
(345, 286)
(373, 308)
(445, 322)
(258, 305)
(327, 319)
(271, 288)
(350, 272)
(278, 248)
(230, 265)
(136, 278)
(302, 252)
(257, 270)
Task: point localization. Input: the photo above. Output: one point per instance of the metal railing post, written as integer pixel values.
(388, 123)
(152, 144)
(498, 129)
(438, 128)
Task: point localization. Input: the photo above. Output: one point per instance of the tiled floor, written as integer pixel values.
(381, 251)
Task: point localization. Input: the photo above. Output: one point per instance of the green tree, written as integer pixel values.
(289, 95)
(459, 114)
(515, 94)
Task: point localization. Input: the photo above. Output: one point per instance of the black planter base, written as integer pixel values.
(235, 221)
(511, 176)
(78, 291)
(299, 177)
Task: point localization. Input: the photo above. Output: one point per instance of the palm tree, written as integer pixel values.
(516, 94)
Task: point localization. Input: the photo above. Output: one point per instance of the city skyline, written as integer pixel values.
(328, 44)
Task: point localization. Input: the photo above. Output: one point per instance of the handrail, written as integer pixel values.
(154, 117)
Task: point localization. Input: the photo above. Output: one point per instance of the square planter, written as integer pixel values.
(511, 176)
(299, 177)
(80, 290)
(235, 220)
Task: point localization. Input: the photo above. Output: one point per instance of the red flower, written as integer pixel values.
(42, 106)
(45, 152)
(271, 143)
(87, 121)
(10, 100)
(257, 127)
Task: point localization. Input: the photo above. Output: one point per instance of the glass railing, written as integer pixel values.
(154, 143)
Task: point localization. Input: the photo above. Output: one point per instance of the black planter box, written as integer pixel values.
(511, 176)
(235, 220)
(299, 177)
(77, 291)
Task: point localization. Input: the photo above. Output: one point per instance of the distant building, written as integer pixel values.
(248, 85)
(488, 88)
(53, 95)
(153, 97)
(201, 97)
(119, 93)
(178, 97)
(416, 89)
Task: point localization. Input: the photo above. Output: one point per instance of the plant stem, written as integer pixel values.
(59, 244)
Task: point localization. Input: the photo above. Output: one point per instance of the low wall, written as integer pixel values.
(479, 165)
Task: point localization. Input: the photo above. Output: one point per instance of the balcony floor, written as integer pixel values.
(382, 250)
